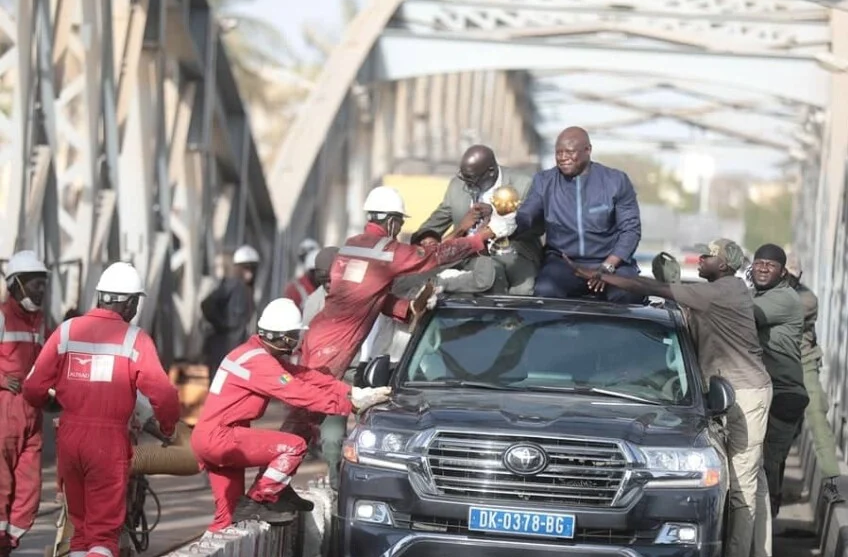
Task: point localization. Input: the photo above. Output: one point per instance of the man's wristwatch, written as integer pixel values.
(608, 268)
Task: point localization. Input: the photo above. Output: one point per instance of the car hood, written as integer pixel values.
(542, 413)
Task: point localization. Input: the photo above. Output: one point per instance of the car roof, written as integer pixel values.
(581, 306)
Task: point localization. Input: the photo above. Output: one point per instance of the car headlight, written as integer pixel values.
(384, 449)
(682, 467)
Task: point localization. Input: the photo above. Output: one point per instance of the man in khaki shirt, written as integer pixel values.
(721, 319)
(816, 412)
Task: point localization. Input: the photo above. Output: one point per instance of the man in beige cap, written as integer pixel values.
(721, 318)
(816, 411)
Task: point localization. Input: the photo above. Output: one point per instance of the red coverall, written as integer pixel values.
(223, 441)
(21, 337)
(361, 278)
(96, 362)
(299, 289)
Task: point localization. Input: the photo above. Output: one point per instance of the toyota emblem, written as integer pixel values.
(525, 459)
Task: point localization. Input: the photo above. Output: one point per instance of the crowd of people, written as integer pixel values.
(574, 233)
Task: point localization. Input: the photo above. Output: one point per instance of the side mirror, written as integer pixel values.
(721, 396)
(378, 372)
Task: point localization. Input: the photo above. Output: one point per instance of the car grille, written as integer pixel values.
(580, 472)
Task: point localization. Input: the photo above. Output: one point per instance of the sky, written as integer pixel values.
(327, 14)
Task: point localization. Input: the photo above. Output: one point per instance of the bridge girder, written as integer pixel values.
(724, 42)
(773, 74)
(126, 139)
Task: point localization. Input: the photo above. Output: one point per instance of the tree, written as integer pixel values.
(654, 184)
(769, 223)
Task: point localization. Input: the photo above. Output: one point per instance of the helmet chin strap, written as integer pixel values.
(26, 302)
(394, 226)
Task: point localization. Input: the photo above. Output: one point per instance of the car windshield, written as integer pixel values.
(541, 350)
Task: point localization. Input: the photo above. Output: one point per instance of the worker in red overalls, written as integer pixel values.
(21, 337)
(249, 377)
(299, 289)
(96, 363)
(362, 276)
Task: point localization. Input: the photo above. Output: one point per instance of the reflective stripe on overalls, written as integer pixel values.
(229, 366)
(18, 336)
(376, 253)
(125, 349)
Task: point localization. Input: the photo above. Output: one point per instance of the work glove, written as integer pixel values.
(12, 384)
(502, 226)
(366, 397)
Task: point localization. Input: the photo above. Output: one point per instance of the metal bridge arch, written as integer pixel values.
(126, 139)
(789, 57)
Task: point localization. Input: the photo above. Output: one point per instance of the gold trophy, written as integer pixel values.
(505, 200)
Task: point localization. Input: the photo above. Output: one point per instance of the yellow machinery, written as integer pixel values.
(421, 195)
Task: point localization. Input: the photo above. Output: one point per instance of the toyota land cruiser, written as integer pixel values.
(528, 426)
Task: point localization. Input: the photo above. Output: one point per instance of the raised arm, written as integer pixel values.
(442, 218)
(301, 389)
(531, 213)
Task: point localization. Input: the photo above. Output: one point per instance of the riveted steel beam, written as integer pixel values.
(402, 55)
(106, 165)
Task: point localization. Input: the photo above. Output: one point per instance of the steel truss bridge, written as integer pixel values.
(124, 136)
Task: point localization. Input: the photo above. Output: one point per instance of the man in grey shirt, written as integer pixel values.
(721, 319)
(467, 207)
(780, 323)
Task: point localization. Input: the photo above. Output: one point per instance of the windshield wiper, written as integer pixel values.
(594, 391)
(460, 383)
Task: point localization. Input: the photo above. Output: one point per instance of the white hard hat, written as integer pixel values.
(309, 261)
(120, 278)
(281, 315)
(306, 246)
(793, 265)
(24, 262)
(384, 199)
(245, 254)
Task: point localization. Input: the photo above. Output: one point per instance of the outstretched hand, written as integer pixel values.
(592, 276)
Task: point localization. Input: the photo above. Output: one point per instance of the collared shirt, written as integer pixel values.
(780, 324)
(721, 320)
(588, 217)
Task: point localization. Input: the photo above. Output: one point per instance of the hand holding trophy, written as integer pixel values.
(505, 201)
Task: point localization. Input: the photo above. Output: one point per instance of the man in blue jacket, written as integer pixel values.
(590, 214)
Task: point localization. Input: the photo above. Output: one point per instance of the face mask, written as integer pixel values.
(29, 306)
(26, 302)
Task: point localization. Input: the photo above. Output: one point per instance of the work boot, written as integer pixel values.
(290, 501)
(249, 509)
(831, 493)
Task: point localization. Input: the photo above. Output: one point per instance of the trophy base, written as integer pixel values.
(501, 248)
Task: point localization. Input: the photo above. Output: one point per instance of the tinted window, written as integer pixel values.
(536, 349)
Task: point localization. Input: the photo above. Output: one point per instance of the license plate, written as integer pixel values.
(526, 523)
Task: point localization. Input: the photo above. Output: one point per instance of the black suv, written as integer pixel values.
(529, 426)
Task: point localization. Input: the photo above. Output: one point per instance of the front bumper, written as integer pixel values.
(420, 527)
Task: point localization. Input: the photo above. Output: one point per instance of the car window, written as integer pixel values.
(538, 349)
